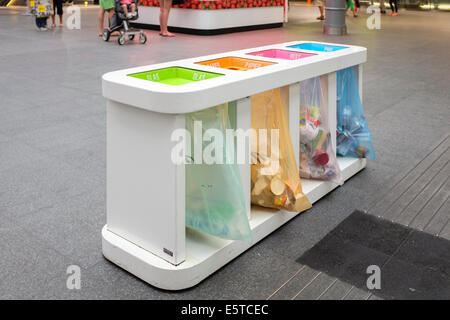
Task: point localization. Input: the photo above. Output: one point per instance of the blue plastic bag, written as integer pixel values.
(214, 195)
(353, 136)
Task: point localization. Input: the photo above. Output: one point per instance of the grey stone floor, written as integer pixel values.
(52, 147)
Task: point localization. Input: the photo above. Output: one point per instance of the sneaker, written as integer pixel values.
(130, 15)
(395, 14)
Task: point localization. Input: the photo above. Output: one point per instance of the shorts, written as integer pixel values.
(106, 4)
(58, 7)
(319, 3)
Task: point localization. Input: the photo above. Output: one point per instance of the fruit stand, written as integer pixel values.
(215, 17)
(146, 232)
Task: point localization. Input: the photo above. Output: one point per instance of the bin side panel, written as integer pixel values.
(145, 204)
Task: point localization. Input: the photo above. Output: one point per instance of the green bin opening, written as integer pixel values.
(175, 76)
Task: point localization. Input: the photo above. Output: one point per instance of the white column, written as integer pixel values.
(294, 118)
(331, 101)
(359, 74)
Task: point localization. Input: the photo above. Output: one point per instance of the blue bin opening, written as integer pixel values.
(317, 47)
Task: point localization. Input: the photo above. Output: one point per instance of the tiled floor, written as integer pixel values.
(52, 153)
(413, 264)
(421, 198)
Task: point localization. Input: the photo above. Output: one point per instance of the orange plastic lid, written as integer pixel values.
(235, 63)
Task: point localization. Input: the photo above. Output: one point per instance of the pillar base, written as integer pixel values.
(335, 31)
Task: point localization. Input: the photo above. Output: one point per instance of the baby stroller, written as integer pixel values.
(120, 22)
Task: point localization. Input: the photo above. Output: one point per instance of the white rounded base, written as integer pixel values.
(206, 254)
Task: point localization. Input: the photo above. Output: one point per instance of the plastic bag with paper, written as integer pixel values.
(214, 196)
(317, 156)
(353, 136)
(274, 172)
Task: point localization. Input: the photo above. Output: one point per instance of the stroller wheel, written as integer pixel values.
(106, 34)
(131, 37)
(142, 38)
(121, 39)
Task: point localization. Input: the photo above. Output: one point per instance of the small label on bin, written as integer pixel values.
(167, 251)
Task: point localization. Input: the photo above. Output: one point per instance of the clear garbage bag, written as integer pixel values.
(214, 196)
(275, 180)
(317, 156)
(353, 136)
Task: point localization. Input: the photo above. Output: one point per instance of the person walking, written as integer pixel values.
(351, 5)
(43, 9)
(394, 7)
(105, 6)
(382, 6)
(319, 3)
(164, 9)
(57, 10)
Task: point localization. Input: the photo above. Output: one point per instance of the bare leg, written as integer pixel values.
(110, 15)
(101, 18)
(125, 10)
(61, 20)
(322, 16)
(164, 17)
(133, 9)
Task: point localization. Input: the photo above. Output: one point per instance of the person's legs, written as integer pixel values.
(321, 10)
(394, 7)
(382, 7)
(319, 3)
(110, 15)
(133, 9)
(164, 17)
(54, 14)
(101, 19)
(59, 7)
(125, 9)
(44, 22)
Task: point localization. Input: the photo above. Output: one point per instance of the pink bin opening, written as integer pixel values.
(282, 54)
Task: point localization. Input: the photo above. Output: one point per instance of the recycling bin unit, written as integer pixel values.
(145, 231)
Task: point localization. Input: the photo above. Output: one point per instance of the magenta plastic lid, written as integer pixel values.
(282, 54)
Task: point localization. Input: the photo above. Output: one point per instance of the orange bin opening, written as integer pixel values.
(235, 63)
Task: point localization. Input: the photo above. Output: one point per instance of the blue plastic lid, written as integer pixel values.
(317, 47)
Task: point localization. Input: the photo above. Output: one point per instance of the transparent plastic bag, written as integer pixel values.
(214, 196)
(317, 156)
(353, 136)
(274, 172)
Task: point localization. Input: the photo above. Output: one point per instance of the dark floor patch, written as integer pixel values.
(414, 264)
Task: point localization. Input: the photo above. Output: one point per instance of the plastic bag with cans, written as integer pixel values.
(317, 156)
(353, 136)
(275, 179)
